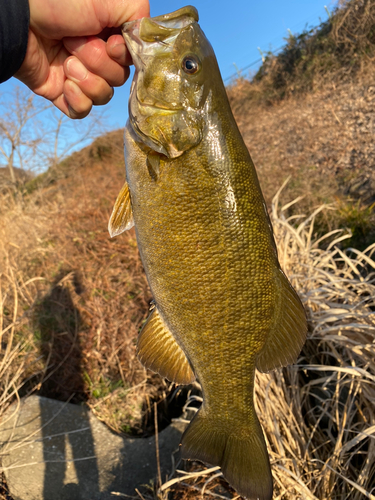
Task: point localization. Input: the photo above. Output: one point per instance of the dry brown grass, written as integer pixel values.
(73, 299)
(323, 446)
(72, 302)
(324, 141)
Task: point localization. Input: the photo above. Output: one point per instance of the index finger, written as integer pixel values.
(116, 49)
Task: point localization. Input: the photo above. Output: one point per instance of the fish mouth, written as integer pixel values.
(151, 29)
(158, 106)
(147, 36)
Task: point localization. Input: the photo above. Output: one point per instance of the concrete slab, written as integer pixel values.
(56, 451)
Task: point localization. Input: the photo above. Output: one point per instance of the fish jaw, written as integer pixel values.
(142, 35)
(166, 106)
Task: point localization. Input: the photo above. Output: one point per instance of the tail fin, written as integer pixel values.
(240, 452)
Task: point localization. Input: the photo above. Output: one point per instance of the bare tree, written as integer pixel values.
(35, 136)
(67, 135)
(20, 131)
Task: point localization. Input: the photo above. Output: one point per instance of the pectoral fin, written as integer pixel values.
(122, 216)
(158, 350)
(153, 165)
(285, 340)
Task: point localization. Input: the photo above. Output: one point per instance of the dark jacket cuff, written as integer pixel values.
(14, 33)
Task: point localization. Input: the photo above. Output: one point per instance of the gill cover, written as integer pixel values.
(169, 90)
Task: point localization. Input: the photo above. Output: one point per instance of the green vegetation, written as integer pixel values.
(336, 50)
(360, 221)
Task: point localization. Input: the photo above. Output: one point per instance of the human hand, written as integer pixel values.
(74, 56)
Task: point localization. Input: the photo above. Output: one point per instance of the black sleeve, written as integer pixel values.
(14, 32)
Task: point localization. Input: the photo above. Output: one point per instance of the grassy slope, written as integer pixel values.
(309, 114)
(73, 299)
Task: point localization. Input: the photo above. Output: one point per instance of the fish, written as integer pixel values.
(222, 307)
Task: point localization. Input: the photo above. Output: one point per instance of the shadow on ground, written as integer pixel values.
(59, 322)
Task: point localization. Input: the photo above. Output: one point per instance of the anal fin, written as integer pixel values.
(284, 342)
(158, 350)
(122, 215)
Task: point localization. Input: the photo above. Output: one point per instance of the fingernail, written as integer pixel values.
(76, 69)
(75, 44)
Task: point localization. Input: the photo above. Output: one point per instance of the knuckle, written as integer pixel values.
(97, 57)
(99, 91)
(120, 78)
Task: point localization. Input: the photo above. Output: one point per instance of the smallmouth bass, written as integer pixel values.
(223, 307)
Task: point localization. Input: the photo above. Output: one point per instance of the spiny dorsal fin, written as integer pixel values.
(158, 350)
(122, 215)
(284, 342)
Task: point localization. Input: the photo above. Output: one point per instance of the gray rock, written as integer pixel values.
(56, 451)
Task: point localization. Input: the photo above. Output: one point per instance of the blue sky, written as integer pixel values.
(236, 34)
(235, 29)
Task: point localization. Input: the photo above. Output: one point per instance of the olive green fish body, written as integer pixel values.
(223, 307)
(194, 242)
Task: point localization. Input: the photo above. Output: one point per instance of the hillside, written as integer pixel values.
(323, 141)
(73, 300)
(22, 176)
(308, 113)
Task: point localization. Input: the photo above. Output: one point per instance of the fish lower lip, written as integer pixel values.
(158, 106)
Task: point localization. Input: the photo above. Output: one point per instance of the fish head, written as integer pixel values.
(174, 63)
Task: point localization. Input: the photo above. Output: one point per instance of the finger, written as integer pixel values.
(62, 104)
(93, 86)
(92, 52)
(116, 49)
(78, 105)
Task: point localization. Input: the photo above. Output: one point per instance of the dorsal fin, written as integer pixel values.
(158, 350)
(284, 342)
(122, 215)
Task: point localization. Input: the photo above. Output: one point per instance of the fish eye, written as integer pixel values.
(191, 64)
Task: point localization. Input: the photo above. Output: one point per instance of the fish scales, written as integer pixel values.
(196, 276)
(223, 307)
